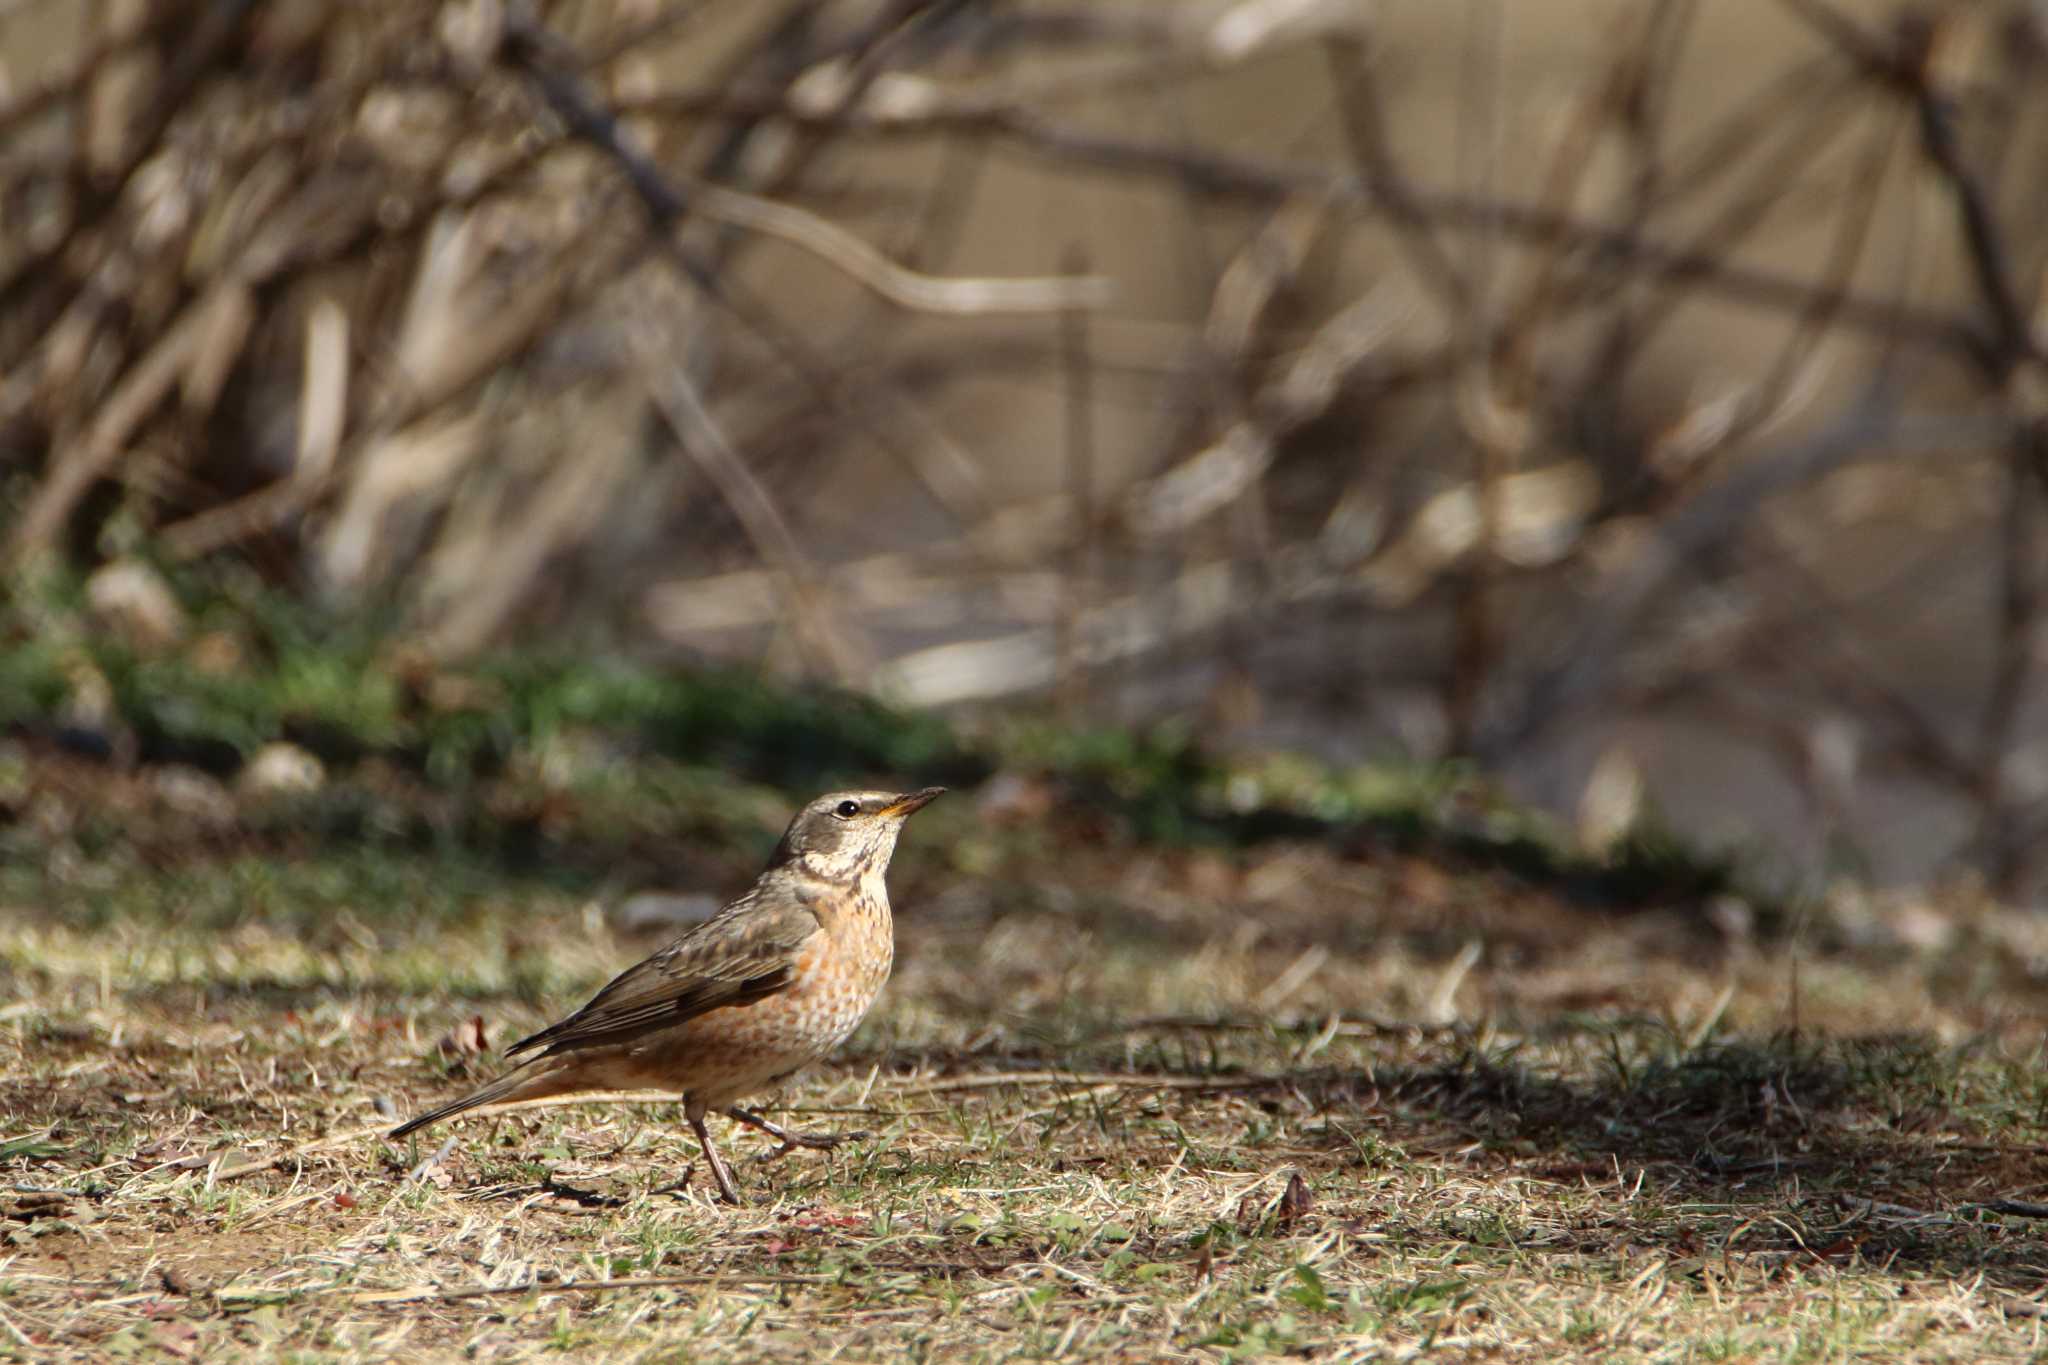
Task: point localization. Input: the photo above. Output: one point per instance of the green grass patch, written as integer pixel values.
(594, 760)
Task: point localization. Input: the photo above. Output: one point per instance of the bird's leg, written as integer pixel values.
(789, 1138)
(719, 1170)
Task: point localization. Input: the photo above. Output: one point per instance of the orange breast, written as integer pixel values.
(726, 1054)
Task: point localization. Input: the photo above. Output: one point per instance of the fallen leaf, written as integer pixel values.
(1285, 1211)
(818, 1218)
(1294, 1201)
(466, 1039)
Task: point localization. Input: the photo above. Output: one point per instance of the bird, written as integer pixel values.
(772, 982)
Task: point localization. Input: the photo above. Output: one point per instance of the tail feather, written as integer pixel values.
(521, 1083)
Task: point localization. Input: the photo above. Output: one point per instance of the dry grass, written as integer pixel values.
(1125, 1103)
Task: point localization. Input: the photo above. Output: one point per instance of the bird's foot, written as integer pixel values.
(816, 1142)
(791, 1139)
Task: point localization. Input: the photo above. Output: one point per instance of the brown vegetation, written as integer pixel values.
(1128, 1102)
(1652, 384)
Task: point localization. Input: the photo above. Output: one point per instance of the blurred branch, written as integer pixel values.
(1814, 641)
(819, 626)
(531, 49)
(1224, 467)
(218, 22)
(52, 90)
(1903, 65)
(323, 414)
(663, 23)
(1491, 414)
(901, 286)
(1730, 227)
(1788, 382)
(2019, 613)
(75, 467)
(1225, 175)
(667, 202)
(386, 295)
(1078, 477)
(1627, 94)
(1358, 106)
(1590, 656)
(205, 36)
(1306, 386)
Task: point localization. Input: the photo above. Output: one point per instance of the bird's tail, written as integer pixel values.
(530, 1082)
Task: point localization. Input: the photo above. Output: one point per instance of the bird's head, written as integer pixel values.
(842, 836)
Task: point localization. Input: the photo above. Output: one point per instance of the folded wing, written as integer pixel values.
(745, 953)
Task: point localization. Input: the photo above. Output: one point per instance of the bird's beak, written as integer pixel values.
(913, 801)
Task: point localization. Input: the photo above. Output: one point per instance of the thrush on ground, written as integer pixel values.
(772, 982)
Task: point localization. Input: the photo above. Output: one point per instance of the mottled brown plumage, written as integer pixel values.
(775, 980)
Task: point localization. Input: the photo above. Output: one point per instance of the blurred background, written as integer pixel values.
(1637, 405)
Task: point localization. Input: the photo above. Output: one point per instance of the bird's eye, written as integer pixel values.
(846, 810)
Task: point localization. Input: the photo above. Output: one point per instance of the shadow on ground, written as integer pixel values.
(1885, 1155)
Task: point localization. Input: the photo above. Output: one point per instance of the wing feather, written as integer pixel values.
(744, 953)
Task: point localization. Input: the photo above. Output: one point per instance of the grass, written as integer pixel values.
(1183, 1058)
(1128, 1100)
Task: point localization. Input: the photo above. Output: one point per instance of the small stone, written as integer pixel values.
(192, 793)
(132, 600)
(1612, 802)
(281, 768)
(1922, 928)
(1733, 917)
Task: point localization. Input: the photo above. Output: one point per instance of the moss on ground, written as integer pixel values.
(587, 760)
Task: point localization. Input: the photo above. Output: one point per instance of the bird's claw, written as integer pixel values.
(816, 1142)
